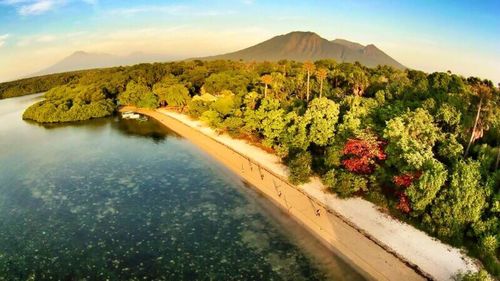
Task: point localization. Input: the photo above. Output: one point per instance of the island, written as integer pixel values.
(425, 148)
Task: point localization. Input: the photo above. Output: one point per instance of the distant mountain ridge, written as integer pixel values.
(297, 45)
(81, 60)
(302, 46)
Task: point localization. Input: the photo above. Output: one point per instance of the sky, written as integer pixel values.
(461, 36)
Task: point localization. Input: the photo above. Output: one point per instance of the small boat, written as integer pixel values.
(133, 115)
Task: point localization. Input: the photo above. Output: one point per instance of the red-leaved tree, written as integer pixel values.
(362, 154)
(405, 180)
(404, 203)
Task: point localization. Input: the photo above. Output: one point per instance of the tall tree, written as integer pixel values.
(483, 92)
(321, 74)
(266, 79)
(309, 67)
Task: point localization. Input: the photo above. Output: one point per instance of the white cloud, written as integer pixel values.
(45, 38)
(13, 2)
(168, 9)
(3, 38)
(174, 10)
(38, 7)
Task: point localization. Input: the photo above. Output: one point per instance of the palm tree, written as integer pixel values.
(283, 64)
(266, 79)
(358, 81)
(321, 74)
(309, 67)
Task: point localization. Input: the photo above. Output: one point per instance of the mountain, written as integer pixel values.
(303, 46)
(296, 45)
(82, 60)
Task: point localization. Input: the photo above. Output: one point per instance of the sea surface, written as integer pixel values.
(114, 199)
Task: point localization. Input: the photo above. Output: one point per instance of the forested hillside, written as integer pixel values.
(424, 147)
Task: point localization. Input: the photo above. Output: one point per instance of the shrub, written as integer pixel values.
(212, 118)
(233, 125)
(300, 167)
(481, 275)
(225, 105)
(330, 178)
(403, 203)
(345, 184)
(406, 179)
(333, 156)
(489, 244)
(196, 107)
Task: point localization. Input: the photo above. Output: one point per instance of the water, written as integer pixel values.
(124, 200)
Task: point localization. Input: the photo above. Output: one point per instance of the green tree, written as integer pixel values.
(448, 117)
(462, 203)
(268, 121)
(322, 115)
(138, 95)
(411, 138)
(173, 95)
(422, 191)
(234, 81)
(354, 79)
(357, 116)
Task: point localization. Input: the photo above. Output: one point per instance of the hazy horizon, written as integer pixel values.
(460, 36)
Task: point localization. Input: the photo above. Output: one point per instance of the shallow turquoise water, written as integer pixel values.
(124, 200)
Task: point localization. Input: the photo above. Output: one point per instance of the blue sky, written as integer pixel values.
(462, 36)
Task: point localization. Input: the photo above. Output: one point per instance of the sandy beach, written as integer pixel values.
(379, 246)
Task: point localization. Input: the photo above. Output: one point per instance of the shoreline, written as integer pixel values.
(333, 266)
(377, 245)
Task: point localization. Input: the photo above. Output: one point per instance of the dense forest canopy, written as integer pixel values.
(36, 84)
(425, 147)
